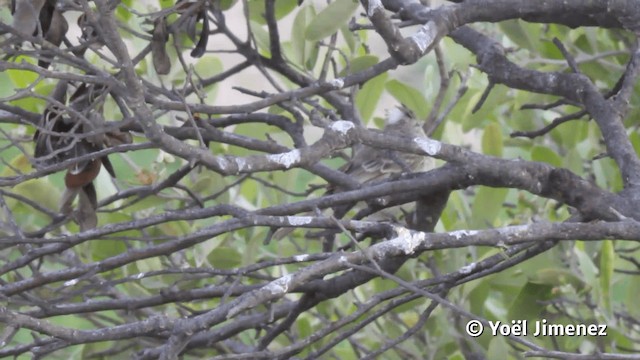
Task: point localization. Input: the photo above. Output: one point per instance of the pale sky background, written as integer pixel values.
(411, 74)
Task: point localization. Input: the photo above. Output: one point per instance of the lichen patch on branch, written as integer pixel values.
(287, 159)
(429, 146)
(342, 126)
(425, 36)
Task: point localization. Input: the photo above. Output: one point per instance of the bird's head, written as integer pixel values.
(402, 121)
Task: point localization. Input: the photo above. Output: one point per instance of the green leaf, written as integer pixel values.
(147, 265)
(367, 98)
(152, 202)
(607, 258)
(18, 164)
(345, 351)
(530, 303)
(358, 64)
(573, 161)
(572, 134)
(301, 47)
(544, 154)
(349, 38)
(90, 351)
(312, 59)
(122, 13)
(635, 141)
(556, 277)
(262, 38)
(171, 229)
(456, 356)
(254, 130)
(492, 140)
(518, 32)
(207, 183)
(491, 107)
(331, 19)
(257, 9)
(631, 285)
(304, 327)
(254, 247)
(4, 79)
(250, 190)
(39, 190)
(227, 4)
(487, 204)
(105, 248)
(588, 269)
(409, 97)
(607, 174)
(206, 67)
(166, 3)
(380, 285)
(225, 258)
(498, 346)
(284, 8)
(22, 78)
(478, 297)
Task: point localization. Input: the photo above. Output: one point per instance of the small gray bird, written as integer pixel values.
(372, 164)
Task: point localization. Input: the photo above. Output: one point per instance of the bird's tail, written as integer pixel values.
(85, 215)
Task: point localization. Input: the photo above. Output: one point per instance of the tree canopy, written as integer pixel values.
(222, 179)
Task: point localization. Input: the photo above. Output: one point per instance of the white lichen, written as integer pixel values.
(462, 233)
(299, 220)
(71, 282)
(425, 36)
(165, 157)
(287, 159)
(139, 276)
(242, 164)
(513, 231)
(222, 163)
(408, 240)
(429, 146)
(279, 286)
(301, 258)
(342, 126)
(337, 83)
(468, 268)
(373, 6)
